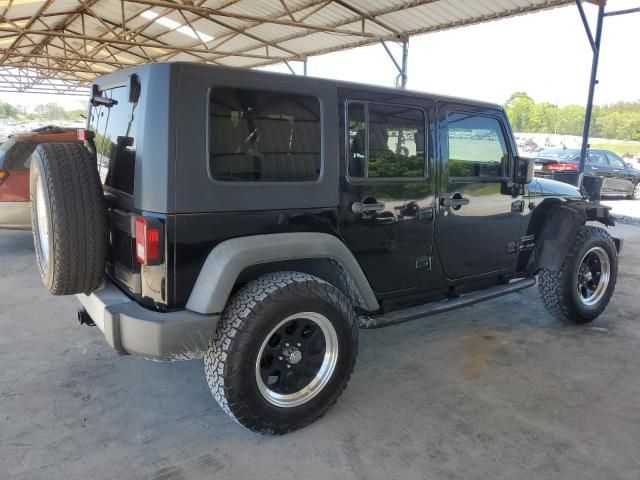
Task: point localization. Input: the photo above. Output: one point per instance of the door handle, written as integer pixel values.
(455, 202)
(361, 207)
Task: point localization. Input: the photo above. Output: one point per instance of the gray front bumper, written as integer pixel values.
(132, 329)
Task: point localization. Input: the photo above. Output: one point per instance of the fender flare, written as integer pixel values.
(228, 259)
(559, 231)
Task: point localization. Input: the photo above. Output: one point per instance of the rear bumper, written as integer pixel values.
(132, 329)
(15, 215)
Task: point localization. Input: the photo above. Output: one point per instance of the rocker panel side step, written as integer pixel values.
(413, 313)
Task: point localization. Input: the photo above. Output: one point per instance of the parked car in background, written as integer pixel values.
(15, 159)
(620, 178)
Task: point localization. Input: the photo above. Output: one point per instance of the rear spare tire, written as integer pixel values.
(68, 217)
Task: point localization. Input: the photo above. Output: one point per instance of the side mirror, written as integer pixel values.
(628, 165)
(524, 170)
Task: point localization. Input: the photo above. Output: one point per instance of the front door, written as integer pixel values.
(479, 225)
(623, 178)
(387, 193)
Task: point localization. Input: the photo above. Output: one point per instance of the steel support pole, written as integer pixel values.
(401, 79)
(305, 67)
(405, 60)
(593, 80)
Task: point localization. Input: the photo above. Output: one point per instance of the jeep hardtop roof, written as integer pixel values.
(121, 75)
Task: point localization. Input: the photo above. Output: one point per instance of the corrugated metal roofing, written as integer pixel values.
(62, 45)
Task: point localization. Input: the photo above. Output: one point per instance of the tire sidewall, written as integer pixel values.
(254, 332)
(38, 171)
(636, 191)
(589, 312)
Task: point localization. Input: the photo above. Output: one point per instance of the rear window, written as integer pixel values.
(559, 154)
(115, 137)
(15, 155)
(263, 136)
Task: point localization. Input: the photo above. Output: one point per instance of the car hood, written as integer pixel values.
(543, 187)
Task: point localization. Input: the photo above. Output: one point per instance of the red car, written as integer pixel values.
(15, 159)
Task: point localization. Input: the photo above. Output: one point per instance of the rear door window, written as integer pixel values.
(264, 136)
(385, 141)
(115, 129)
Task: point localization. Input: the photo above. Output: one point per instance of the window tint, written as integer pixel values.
(386, 141)
(262, 136)
(615, 161)
(477, 147)
(115, 137)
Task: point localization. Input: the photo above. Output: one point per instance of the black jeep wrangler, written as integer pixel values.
(260, 219)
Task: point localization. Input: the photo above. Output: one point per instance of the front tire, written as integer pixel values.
(635, 194)
(283, 353)
(582, 288)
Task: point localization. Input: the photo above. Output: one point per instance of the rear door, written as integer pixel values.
(115, 128)
(387, 201)
(478, 225)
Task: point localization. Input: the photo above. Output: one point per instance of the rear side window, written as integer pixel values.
(16, 155)
(264, 136)
(477, 146)
(115, 137)
(385, 141)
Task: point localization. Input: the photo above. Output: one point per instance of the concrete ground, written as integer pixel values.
(627, 211)
(499, 390)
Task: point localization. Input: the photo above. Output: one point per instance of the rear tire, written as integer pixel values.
(264, 370)
(582, 288)
(68, 217)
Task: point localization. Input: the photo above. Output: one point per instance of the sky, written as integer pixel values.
(545, 54)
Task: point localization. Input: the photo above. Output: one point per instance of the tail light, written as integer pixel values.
(82, 134)
(149, 241)
(563, 166)
(3, 176)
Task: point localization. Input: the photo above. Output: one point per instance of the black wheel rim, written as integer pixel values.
(297, 359)
(594, 274)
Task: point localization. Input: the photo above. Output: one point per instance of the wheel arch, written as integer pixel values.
(238, 260)
(555, 227)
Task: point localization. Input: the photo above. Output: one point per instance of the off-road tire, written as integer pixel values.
(247, 320)
(75, 215)
(558, 288)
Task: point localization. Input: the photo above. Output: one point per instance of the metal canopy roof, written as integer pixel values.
(62, 45)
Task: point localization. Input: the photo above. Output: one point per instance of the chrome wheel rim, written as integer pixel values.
(297, 359)
(594, 274)
(43, 224)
